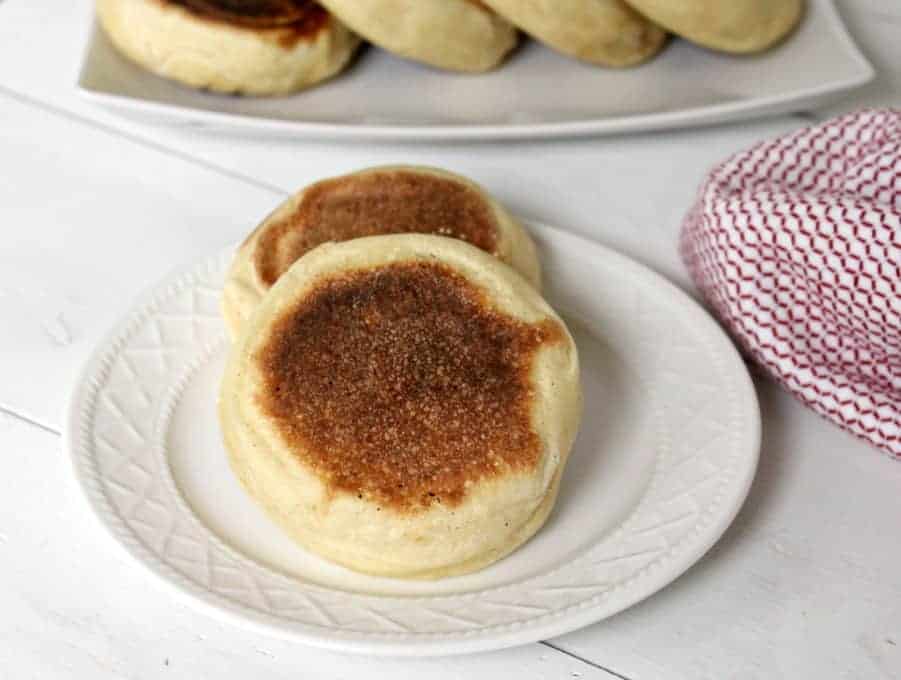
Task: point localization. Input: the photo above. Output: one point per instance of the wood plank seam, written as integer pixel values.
(52, 109)
(25, 419)
(593, 664)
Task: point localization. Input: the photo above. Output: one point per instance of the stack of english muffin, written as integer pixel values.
(266, 47)
(398, 397)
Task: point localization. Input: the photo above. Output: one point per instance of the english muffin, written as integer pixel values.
(605, 32)
(457, 35)
(383, 200)
(258, 47)
(738, 26)
(402, 405)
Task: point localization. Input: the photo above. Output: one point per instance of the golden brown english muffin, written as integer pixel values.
(259, 47)
(605, 32)
(403, 405)
(382, 200)
(738, 26)
(457, 35)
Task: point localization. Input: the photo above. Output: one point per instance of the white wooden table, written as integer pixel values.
(806, 584)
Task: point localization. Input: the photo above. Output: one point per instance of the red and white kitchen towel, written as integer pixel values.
(796, 244)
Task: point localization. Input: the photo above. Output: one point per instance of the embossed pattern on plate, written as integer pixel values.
(663, 462)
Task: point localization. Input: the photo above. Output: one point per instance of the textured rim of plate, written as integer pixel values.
(705, 532)
(754, 107)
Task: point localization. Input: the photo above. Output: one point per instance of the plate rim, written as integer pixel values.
(755, 107)
(218, 606)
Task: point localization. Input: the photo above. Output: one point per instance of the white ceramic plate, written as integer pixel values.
(536, 94)
(664, 459)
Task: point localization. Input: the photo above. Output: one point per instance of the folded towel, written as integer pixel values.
(796, 244)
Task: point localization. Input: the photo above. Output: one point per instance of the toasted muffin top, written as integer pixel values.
(374, 203)
(402, 385)
(295, 20)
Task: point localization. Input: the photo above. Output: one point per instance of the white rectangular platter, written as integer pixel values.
(537, 93)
